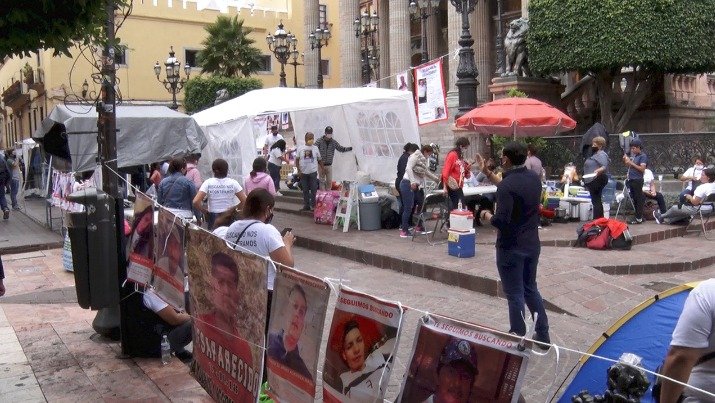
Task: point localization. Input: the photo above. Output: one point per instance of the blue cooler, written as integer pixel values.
(461, 243)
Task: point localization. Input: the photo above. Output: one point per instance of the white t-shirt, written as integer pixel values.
(260, 238)
(308, 157)
(703, 191)
(695, 330)
(221, 193)
(274, 156)
(271, 139)
(693, 173)
(647, 179)
(152, 301)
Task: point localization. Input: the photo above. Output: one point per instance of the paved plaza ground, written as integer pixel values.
(49, 352)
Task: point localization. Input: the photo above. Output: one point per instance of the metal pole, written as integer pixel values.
(320, 64)
(174, 104)
(425, 56)
(466, 69)
(500, 40)
(295, 74)
(283, 74)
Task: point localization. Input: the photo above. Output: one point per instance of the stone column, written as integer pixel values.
(399, 38)
(433, 34)
(350, 69)
(525, 8)
(454, 30)
(311, 19)
(480, 22)
(384, 42)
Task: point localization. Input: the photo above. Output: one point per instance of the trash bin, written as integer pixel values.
(368, 203)
(94, 249)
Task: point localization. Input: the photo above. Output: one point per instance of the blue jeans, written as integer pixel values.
(408, 204)
(14, 187)
(517, 271)
(309, 185)
(3, 201)
(275, 172)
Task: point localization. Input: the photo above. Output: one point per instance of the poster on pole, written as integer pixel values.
(228, 307)
(458, 362)
(298, 310)
(141, 241)
(403, 80)
(170, 268)
(431, 98)
(361, 348)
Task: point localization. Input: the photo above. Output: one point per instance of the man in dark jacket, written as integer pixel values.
(518, 245)
(327, 146)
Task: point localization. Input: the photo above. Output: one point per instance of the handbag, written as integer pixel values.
(452, 183)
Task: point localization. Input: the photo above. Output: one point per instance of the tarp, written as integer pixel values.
(376, 122)
(658, 315)
(145, 134)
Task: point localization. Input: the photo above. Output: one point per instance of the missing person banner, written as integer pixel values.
(228, 306)
(362, 343)
(431, 97)
(298, 309)
(457, 362)
(170, 267)
(403, 80)
(141, 241)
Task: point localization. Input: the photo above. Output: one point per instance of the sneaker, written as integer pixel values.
(656, 216)
(5, 214)
(543, 341)
(420, 229)
(17, 208)
(635, 221)
(279, 194)
(405, 234)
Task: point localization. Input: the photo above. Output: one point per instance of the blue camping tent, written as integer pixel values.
(645, 331)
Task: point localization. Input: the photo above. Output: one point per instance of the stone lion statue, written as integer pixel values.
(221, 96)
(517, 63)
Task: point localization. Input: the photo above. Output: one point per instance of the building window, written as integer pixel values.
(265, 64)
(190, 56)
(120, 56)
(325, 67)
(323, 13)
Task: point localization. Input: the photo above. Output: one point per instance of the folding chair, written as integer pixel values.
(433, 207)
(709, 205)
(626, 198)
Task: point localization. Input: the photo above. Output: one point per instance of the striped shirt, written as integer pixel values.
(327, 149)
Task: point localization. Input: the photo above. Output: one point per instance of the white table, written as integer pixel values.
(472, 190)
(575, 202)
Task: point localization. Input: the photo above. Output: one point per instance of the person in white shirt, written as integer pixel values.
(414, 179)
(271, 139)
(307, 160)
(691, 176)
(221, 193)
(650, 192)
(683, 212)
(276, 157)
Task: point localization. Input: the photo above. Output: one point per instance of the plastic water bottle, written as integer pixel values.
(165, 350)
(459, 206)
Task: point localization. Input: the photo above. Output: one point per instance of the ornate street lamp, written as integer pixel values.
(318, 39)
(500, 40)
(366, 27)
(279, 44)
(173, 83)
(420, 9)
(294, 54)
(466, 69)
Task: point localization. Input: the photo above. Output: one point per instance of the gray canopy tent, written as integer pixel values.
(145, 134)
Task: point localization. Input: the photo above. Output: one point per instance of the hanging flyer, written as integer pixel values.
(431, 98)
(141, 241)
(170, 267)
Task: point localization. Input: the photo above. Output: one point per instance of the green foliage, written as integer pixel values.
(514, 93)
(671, 36)
(228, 51)
(201, 91)
(29, 25)
(498, 142)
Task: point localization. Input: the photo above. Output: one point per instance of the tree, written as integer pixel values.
(228, 51)
(29, 25)
(201, 91)
(600, 38)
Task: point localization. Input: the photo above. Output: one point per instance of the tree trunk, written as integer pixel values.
(638, 88)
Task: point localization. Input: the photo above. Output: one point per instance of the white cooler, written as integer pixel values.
(461, 220)
(585, 212)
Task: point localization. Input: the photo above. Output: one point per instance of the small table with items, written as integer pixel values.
(574, 205)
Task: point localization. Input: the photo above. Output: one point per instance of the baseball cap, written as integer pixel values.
(274, 127)
(636, 142)
(459, 350)
(328, 129)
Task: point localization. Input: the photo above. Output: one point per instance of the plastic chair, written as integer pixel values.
(704, 218)
(434, 206)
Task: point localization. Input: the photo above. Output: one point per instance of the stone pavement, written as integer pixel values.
(21, 233)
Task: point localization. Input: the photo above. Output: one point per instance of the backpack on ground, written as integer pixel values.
(597, 234)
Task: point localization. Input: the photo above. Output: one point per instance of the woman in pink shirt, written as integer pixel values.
(259, 178)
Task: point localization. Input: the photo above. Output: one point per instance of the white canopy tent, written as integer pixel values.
(145, 134)
(376, 122)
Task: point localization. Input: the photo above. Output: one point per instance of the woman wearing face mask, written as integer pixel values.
(254, 233)
(692, 178)
(454, 171)
(595, 174)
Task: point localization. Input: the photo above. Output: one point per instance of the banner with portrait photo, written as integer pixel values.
(459, 362)
(141, 241)
(403, 80)
(170, 266)
(298, 310)
(430, 95)
(361, 347)
(228, 307)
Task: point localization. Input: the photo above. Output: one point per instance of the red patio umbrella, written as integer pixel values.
(525, 117)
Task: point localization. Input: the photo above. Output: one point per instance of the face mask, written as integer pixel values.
(309, 142)
(594, 149)
(698, 167)
(269, 218)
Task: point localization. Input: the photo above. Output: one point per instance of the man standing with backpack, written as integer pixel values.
(5, 177)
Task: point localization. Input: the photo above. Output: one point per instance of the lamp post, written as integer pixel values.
(366, 27)
(173, 83)
(466, 69)
(294, 54)
(278, 43)
(500, 40)
(421, 9)
(318, 39)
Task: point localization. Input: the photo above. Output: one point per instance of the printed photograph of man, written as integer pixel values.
(142, 242)
(283, 344)
(223, 294)
(422, 91)
(456, 372)
(170, 261)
